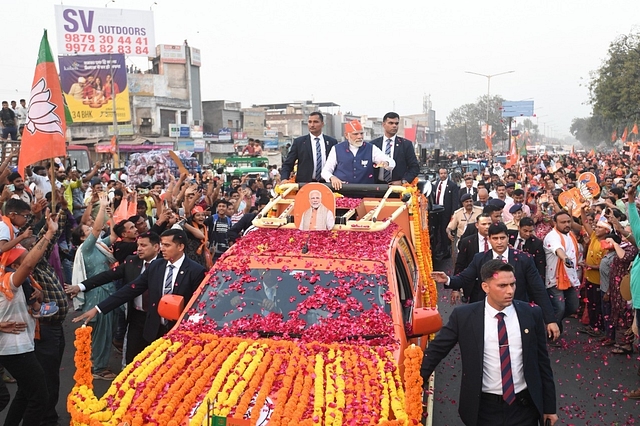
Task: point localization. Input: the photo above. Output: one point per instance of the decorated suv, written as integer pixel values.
(292, 325)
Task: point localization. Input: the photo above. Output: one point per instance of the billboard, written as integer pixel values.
(517, 108)
(96, 30)
(172, 53)
(88, 87)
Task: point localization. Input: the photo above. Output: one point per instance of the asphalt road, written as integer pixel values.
(590, 382)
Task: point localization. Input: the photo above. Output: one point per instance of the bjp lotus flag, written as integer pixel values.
(45, 128)
(624, 135)
(635, 129)
(513, 154)
(113, 148)
(614, 136)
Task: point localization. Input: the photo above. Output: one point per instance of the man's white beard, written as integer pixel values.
(356, 144)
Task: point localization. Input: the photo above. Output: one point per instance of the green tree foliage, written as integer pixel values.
(591, 131)
(614, 89)
(464, 124)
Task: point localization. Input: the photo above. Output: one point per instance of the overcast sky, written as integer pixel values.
(370, 57)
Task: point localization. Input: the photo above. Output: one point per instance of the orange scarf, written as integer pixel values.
(562, 278)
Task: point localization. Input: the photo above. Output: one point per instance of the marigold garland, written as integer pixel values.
(318, 383)
(413, 382)
(422, 243)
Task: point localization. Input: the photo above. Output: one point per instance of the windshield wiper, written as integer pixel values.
(363, 336)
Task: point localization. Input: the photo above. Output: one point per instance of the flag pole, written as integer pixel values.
(54, 188)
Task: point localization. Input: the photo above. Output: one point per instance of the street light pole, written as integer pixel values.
(488, 76)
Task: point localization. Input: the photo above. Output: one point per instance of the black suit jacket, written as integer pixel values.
(474, 193)
(451, 198)
(466, 327)
(467, 248)
(407, 165)
(470, 230)
(302, 152)
(126, 271)
(188, 279)
(535, 248)
(529, 284)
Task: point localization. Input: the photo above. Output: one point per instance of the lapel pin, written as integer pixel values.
(181, 272)
(526, 331)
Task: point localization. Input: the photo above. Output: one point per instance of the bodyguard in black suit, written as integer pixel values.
(128, 271)
(530, 284)
(400, 149)
(469, 246)
(186, 275)
(445, 193)
(523, 368)
(529, 244)
(304, 151)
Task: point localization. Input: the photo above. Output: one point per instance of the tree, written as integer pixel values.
(591, 131)
(614, 89)
(464, 124)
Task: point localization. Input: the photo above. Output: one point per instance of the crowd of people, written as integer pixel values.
(572, 259)
(91, 242)
(90, 245)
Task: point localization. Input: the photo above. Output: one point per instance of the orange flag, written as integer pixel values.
(635, 129)
(592, 153)
(624, 135)
(113, 144)
(573, 152)
(45, 128)
(513, 153)
(487, 140)
(614, 136)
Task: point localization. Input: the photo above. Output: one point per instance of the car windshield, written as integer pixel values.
(312, 305)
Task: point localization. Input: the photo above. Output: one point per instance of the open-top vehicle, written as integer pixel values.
(291, 326)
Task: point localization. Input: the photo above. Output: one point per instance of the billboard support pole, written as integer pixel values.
(116, 160)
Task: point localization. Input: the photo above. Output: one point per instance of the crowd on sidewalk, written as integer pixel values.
(582, 252)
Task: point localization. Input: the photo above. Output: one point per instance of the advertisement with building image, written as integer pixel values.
(89, 83)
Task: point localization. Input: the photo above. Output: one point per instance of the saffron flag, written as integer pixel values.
(113, 148)
(487, 140)
(614, 136)
(513, 154)
(592, 153)
(624, 135)
(45, 128)
(635, 129)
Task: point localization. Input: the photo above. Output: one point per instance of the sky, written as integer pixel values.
(370, 57)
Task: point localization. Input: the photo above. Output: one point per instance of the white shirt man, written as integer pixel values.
(553, 242)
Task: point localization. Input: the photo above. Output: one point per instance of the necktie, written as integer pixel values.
(318, 159)
(520, 243)
(439, 192)
(168, 283)
(508, 390)
(387, 151)
(486, 245)
(501, 257)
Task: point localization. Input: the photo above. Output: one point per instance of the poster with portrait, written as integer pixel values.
(315, 208)
(89, 85)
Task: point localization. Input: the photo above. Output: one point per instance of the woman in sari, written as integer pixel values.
(93, 257)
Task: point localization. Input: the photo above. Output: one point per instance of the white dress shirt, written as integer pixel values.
(491, 373)
(505, 255)
(177, 264)
(443, 188)
(481, 241)
(384, 147)
(520, 241)
(313, 151)
(332, 161)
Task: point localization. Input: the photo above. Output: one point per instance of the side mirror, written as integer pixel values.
(171, 307)
(425, 321)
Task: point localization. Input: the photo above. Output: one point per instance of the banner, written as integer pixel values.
(88, 87)
(95, 30)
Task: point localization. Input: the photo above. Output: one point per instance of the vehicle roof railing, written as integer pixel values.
(394, 196)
